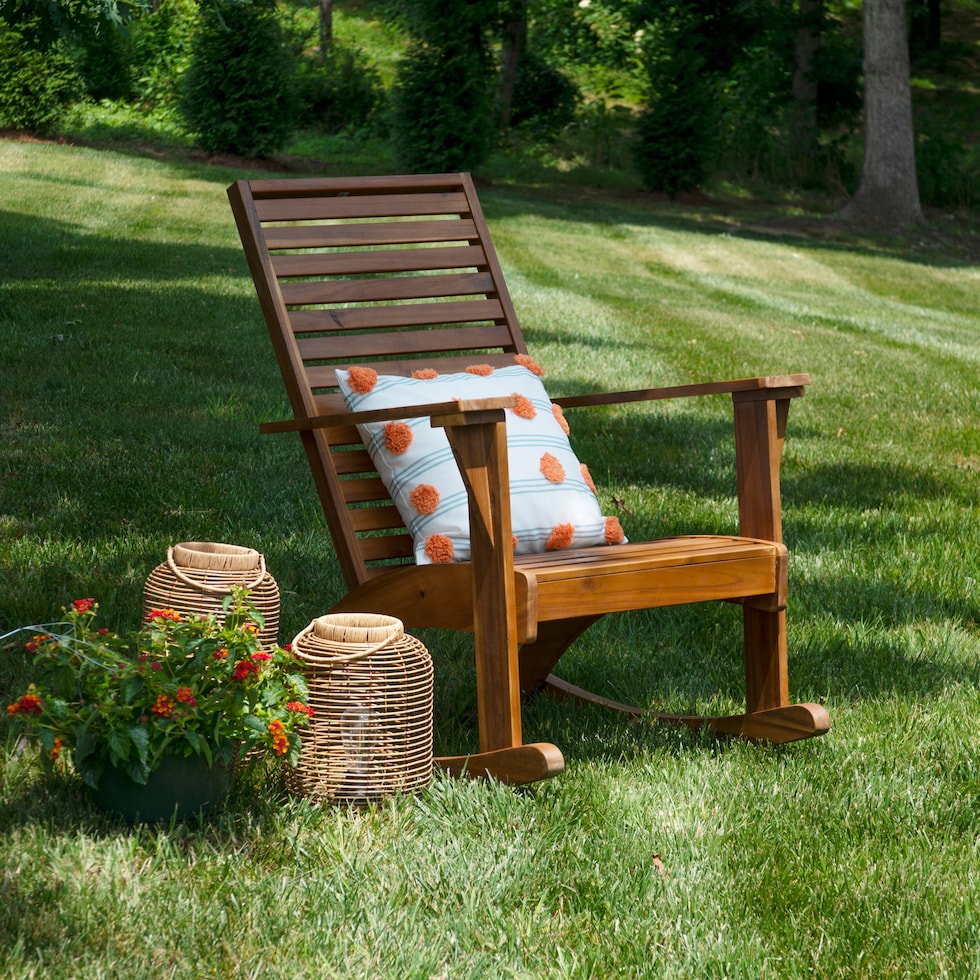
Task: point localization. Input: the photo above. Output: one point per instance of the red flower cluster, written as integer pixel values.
(35, 641)
(186, 696)
(26, 704)
(260, 656)
(164, 706)
(300, 708)
(83, 605)
(245, 669)
(164, 614)
(221, 653)
(280, 743)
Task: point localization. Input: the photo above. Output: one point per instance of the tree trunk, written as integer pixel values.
(888, 195)
(326, 28)
(803, 123)
(511, 48)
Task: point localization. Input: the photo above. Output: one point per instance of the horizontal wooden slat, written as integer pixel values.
(323, 377)
(386, 547)
(352, 461)
(380, 261)
(276, 187)
(323, 291)
(683, 550)
(375, 518)
(392, 318)
(364, 490)
(360, 206)
(442, 229)
(364, 349)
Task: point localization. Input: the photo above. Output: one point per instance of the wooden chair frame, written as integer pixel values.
(400, 272)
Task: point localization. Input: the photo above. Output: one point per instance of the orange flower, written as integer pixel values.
(587, 476)
(560, 417)
(163, 707)
(481, 370)
(26, 704)
(362, 379)
(280, 744)
(186, 696)
(398, 437)
(614, 531)
(424, 498)
(56, 749)
(561, 537)
(170, 614)
(439, 549)
(525, 360)
(551, 469)
(425, 374)
(525, 407)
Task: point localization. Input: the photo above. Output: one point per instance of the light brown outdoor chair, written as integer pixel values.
(400, 273)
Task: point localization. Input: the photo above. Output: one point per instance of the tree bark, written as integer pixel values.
(888, 195)
(803, 121)
(511, 48)
(326, 28)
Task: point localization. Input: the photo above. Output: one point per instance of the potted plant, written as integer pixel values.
(170, 710)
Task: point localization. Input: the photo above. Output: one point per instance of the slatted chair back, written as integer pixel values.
(390, 272)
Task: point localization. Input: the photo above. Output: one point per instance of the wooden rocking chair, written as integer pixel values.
(400, 273)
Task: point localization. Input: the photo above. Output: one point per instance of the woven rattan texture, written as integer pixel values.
(370, 687)
(198, 576)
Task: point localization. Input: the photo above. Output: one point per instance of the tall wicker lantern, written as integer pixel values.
(370, 687)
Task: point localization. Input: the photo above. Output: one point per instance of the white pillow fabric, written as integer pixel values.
(553, 501)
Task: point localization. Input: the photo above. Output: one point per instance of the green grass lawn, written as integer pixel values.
(135, 371)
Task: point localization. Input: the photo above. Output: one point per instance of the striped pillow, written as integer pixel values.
(553, 501)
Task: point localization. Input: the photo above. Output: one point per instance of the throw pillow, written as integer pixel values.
(553, 501)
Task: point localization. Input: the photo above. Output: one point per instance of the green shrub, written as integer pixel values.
(545, 99)
(343, 92)
(675, 134)
(236, 96)
(162, 45)
(948, 173)
(37, 84)
(103, 54)
(442, 109)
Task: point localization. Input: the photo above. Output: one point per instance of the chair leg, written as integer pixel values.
(766, 673)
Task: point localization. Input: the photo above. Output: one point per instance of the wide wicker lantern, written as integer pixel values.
(198, 576)
(370, 687)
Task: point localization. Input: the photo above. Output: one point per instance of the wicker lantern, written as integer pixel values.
(198, 575)
(370, 687)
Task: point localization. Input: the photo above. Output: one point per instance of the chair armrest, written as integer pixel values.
(772, 387)
(469, 411)
(761, 407)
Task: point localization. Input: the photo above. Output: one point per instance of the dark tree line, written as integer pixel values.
(773, 88)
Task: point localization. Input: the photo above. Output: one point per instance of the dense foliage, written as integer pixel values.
(674, 94)
(237, 97)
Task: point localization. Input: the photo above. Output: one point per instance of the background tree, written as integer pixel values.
(443, 94)
(237, 96)
(888, 194)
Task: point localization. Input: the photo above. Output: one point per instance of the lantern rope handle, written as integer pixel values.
(213, 589)
(343, 658)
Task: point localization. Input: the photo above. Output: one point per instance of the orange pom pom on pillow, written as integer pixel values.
(553, 505)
